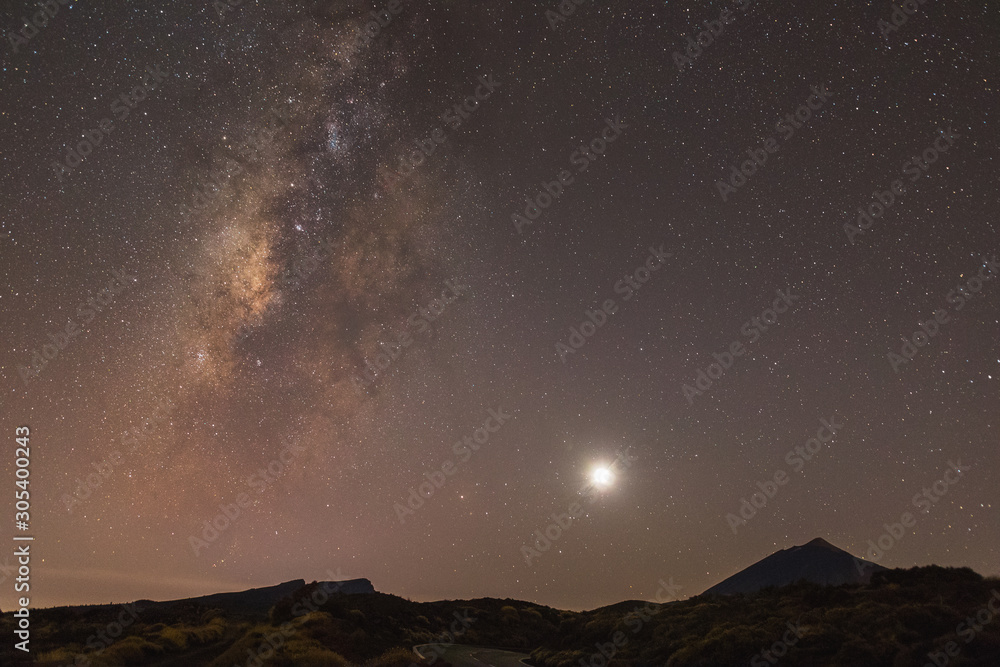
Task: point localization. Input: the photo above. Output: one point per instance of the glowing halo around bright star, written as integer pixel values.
(602, 477)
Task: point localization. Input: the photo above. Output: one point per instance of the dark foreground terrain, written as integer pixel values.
(931, 615)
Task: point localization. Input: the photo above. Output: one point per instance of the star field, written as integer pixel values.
(287, 219)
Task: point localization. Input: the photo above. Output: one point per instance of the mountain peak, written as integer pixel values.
(817, 561)
(820, 542)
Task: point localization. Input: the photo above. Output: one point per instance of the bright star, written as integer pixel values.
(602, 477)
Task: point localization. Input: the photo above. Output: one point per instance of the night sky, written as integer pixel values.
(257, 290)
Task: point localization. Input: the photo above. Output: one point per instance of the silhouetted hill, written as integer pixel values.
(620, 607)
(899, 618)
(818, 562)
(255, 600)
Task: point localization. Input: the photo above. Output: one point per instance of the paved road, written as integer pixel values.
(476, 656)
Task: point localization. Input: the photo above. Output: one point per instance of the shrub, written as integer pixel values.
(128, 651)
(172, 638)
(532, 619)
(394, 657)
(62, 656)
(213, 631)
(309, 653)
